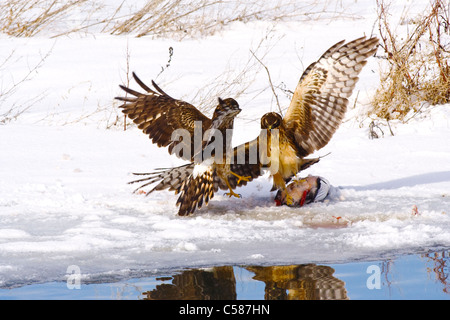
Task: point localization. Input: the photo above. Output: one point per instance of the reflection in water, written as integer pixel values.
(418, 276)
(302, 282)
(295, 282)
(441, 265)
(217, 283)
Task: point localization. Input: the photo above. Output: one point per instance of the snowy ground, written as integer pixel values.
(63, 193)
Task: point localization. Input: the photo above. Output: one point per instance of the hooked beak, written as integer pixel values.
(237, 111)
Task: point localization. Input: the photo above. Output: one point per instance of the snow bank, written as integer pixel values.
(63, 193)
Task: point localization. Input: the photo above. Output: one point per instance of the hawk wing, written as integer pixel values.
(158, 115)
(320, 100)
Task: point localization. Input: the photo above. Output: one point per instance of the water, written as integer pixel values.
(418, 276)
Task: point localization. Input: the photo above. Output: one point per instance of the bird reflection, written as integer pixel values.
(216, 283)
(293, 282)
(300, 282)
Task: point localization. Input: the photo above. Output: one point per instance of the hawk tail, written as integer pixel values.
(195, 190)
(173, 179)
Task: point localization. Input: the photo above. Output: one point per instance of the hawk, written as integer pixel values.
(159, 115)
(317, 108)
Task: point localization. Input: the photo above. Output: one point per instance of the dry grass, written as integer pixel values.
(194, 18)
(27, 18)
(418, 73)
(173, 18)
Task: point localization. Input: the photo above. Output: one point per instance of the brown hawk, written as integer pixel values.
(159, 115)
(317, 108)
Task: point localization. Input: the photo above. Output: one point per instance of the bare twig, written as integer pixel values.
(167, 64)
(128, 84)
(14, 110)
(236, 80)
(270, 81)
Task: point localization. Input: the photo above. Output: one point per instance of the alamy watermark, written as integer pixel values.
(212, 143)
(374, 280)
(73, 277)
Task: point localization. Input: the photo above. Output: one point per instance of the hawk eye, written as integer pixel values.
(277, 122)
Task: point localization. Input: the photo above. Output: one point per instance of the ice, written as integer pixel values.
(64, 198)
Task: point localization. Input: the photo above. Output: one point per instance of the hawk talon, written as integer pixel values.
(289, 199)
(232, 194)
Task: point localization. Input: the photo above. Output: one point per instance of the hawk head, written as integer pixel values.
(271, 120)
(227, 108)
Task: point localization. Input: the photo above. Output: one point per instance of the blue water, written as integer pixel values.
(420, 276)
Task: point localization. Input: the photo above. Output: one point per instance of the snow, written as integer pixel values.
(64, 197)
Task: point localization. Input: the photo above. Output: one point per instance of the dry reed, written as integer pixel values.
(418, 73)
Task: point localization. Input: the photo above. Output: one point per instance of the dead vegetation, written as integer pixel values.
(417, 73)
(9, 86)
(196, 18)
(27, 18)
(173, 18)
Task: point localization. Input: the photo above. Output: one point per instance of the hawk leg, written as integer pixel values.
(289, 199)
(280, 184)
(231, 193)
(240, 178)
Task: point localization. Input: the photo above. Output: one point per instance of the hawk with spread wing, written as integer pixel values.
(159, 115)
(317, 108)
